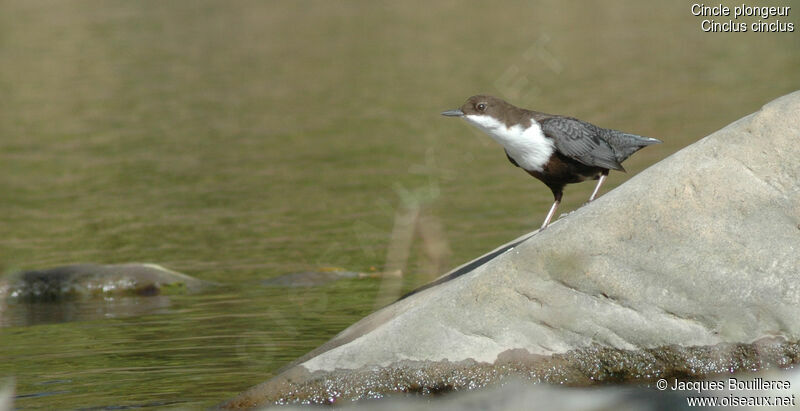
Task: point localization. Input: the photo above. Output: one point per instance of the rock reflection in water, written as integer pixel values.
(33, 313)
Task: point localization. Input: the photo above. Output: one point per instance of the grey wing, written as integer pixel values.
(581, 142)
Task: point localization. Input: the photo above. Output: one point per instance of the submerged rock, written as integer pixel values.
(90, 280)
(690, 268)
(315, 278)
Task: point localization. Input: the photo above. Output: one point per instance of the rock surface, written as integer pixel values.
(690, 268)
(89, 280)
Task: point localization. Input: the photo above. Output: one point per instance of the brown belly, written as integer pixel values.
(561, 170)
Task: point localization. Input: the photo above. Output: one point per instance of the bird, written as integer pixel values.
(557, 150)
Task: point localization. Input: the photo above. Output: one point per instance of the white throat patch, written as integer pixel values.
(527, 146)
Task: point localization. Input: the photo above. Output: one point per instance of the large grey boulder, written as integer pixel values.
(691, 267)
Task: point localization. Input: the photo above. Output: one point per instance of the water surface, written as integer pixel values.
(236, 142)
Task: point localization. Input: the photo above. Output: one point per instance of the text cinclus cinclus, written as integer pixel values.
(555, 149)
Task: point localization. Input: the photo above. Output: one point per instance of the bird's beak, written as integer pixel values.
(453, 113)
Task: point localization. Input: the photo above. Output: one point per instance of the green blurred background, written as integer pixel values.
(238, 141)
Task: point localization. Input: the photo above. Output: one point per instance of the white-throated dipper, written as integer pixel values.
(555, 149)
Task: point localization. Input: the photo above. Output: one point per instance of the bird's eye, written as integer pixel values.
(481, 106)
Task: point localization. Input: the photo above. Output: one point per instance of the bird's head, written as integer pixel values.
(479, 105)
(479, 108)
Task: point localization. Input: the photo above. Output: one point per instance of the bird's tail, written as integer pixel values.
(626, 144)
(642, 141)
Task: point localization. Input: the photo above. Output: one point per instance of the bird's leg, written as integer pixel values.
(597, 187)
(552, 212)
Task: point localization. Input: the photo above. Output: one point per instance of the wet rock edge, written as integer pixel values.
(594, 365)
